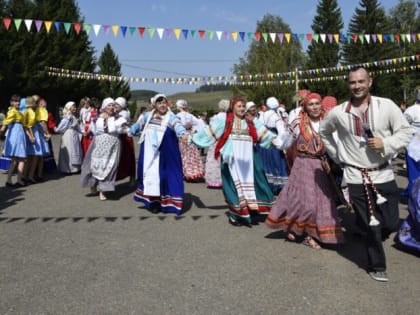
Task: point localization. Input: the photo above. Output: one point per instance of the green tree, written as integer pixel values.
(109, 64)
(405, 19)
(29, 52)
(266, 57)
(327, 21)
(370, 18)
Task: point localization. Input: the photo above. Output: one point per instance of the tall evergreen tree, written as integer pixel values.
(109, 64)
(327, 21)
(29, 52)
(405, 19)
(370, 18)
(264, 57)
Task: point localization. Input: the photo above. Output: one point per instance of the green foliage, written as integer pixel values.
(268, 57)
(405, 19)
(109, 64)
(326, 54)
(28, 53)
(370, 18)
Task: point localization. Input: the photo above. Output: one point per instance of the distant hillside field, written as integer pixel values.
(197, 101)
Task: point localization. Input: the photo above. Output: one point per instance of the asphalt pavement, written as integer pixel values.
(65, 252)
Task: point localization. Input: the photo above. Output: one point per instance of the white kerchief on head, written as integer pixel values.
(272, 102)
(106, 102)
(121, 101)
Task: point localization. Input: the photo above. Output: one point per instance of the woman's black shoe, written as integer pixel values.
(10, 184)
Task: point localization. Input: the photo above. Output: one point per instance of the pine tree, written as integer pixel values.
(109, 64)
(29, 52)
(328, 21)
(405, 19)
(370, 18)
(264, 57)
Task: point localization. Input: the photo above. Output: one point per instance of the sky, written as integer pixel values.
(168, 57)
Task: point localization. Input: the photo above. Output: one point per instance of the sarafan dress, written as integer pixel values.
(245, 185)
(159, 168)
(409, 232)
(306, 205)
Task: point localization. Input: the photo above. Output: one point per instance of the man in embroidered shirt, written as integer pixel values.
(371, 129)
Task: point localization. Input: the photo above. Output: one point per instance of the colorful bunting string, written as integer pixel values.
(386, 66)
(167, 33)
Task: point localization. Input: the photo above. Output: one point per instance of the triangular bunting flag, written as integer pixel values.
(57, 26)
(168, 32)
(301, 37)
(106, 29)
(273, 37)
(265, 36)
(250, 36)
(87, 27)
(67, 26)
(235, 36)
(151, 31)
(242, 36)
(193, 33)
(115, 29)
(141, 30)
(38, 25)
(337, 38)
(397, 37)
(132, 30)
(177, 32)
(295, 37)
(323, 36)
(309, 37)
(211, 34)
(227, 35)
(123, 30)
(219, 35)
(18, 22)
(160, 31)
(367, 38)
(374, 37)
(28, 24)
(77, 27)
(257, 36)
(288, 35)
(7, 21)
(96, 29)
(48, 25)
(281, 37)
(185, 33)
(316, 38)
(202, 33)
(355, 37)
(330, 38)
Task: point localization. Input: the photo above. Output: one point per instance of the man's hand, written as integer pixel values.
(375, 143)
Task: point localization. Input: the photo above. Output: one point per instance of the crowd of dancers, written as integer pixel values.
(292, 168)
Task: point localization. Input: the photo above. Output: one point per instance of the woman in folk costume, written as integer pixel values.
(15, 144)
(213, 175)
(88, 114)
(192, 163)
(127, 163)
(245, 186)
(40, 146)
(275, 164)
(305, 206)
(159, 168)
(100, 165)
(70, 154)
(44, 120)
(409, 232)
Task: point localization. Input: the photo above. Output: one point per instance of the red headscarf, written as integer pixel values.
(328, 103)
(229, 125)
(305, 124)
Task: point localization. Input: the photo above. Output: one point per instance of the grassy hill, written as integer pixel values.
(197, 101)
